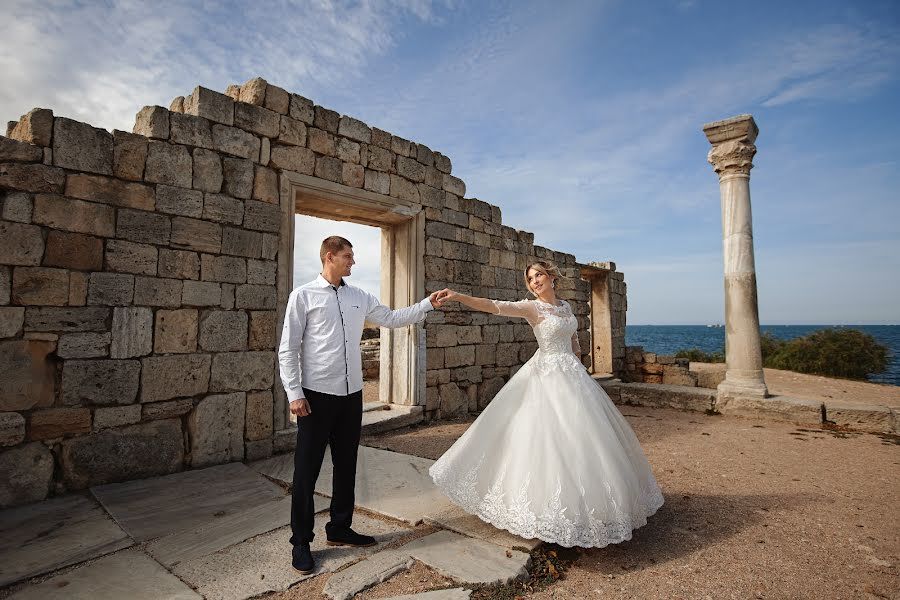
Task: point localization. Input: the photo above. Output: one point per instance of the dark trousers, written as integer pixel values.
(335, 421)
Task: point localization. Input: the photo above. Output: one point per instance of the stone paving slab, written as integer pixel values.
(263, 564)
(345, 584)
(449, 594)
(52, 534)
(469, 560)
(279, 467)
(456, 519)
(391, 484)
(130, 574)
(159, 506)
(379, 421)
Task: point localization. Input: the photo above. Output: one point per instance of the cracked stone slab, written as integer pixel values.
(263, 564)
(468, 560)
(279, 467)
(391, 484)
(130, 574)
(394, 417)
(345, 584)
(52, 534)
(448, 594)
(160, 506)
(456, 519)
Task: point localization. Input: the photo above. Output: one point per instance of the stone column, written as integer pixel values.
(732, 158)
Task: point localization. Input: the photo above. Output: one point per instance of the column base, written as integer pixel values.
(735, 388)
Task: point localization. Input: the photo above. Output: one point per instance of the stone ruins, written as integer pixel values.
(143, 274)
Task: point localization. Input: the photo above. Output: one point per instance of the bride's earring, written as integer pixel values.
(553, 284)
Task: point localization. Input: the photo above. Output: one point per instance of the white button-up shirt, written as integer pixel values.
(322, 329)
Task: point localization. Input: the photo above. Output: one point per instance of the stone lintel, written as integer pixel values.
(741, 127)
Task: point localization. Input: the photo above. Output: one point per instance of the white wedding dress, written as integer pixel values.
(551, 457)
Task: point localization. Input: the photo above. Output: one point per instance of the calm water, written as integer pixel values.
(669, 339)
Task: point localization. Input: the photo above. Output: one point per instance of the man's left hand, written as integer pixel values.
(435, 301)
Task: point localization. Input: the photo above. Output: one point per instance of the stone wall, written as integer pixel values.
(138, 317)
(649, 367)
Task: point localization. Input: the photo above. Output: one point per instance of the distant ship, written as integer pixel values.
(715, 325)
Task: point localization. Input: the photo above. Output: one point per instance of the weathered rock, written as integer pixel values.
(74, 215)
(223, 331)
(74, 251)
(66, 319)
(80, 147)
(154, 291)
(262, 216)
(26, 472)
(402, 146)
(242, 371)
(110, 289)
(210, 105)
(348, 151)
(302, 109)
(207, 172)
(179, 264)
(261, 272)
(234, 141)
(100, 381)
(129, 257)
(132, 332)
(380, 183)
(241, 242)
(454, 185)
(190, 130)
(265, 185)
(257, 120)
(254, 91)
(216, 428)
(277, 99)
(166, 410)
(179, 201)
(167, 377)
(169, 164)
(15, 151)
(39, 286)
(152, 122)
(293, 158)
(258, 449)
(5, 284)
(83, 345)
(201, 293)
(12, 318)
(176, 331)
(58, 422)
(22, 244)
(864, 417)
(195, 234)
(355, 130)
(34, 127)
(782, 408)
(223, 209)
(410, 169)
(404, 189)
(353, 175)
(442, 164)
(238, 177)
(453, 401)
(321, 142)
(116, 416)
(326, 119)
(292, 132)
(229, 269)
(134, 452)
(259, 416)
(12, 428)
(32, 177)
(129, 155)
(381, 138)
(262, 330)
(18, 207)
(259, 297)
(97, 188)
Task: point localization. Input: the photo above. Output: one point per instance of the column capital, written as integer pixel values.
(733, 144)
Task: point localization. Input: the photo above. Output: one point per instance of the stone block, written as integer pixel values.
(235, 142)
(201, 293)
(129, 155)
(179, 264)
(223, 209)
(257, 120)
(152, 122)
(210, 105)
(207, 176)
(131, 332)
(277, 99)
(227, 269)
(110, 289)
(169, 164)
(261, 272)
(241, 242)
(12, 429)
(325, 119)
(26, 472)
(166, 410)
(100, 382)
(459, 356)
(380, 183)
(107, 190)
(168, 377)
(454, 185)
(74, 251)
(22, 244)
(16, 151)
(453, 401)
(270, 245)
(352, 175)
(348, 151)
(424, 155)
(292, 132)
(34, 127)
(5, 284)
(301, 109)
(258, 449)
(40, 286)
(190, 130)
(254, 91)
(242, 371)
(216, 428)
(329, 168)
(78, 288)
(12, 318)
(129, 257)
(258, 297)
(195, 234)
(223, 331)
(29, 177)
(402, 146)
(18, 207)
(179, 201)
(262, 216)
(145, 227)
(265, 151)
(404, 189)
(381, 138)
(83, 345)
(380, 159)
(58, 422)
(781, 408)
(293, 158)
(410, 169)
(679, 376)
(154, 291)
(80, 147)
(77, 216)
(116, 416)
(238, 177)
(258, 424)
(355, 130)
(175, 331)
(227, 296)
(66, 319)
(262, 330)
(265, 185)
(133, 452)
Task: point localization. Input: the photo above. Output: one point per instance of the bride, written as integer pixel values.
(550, 457)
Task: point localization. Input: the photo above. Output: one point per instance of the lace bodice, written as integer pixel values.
(554, 328)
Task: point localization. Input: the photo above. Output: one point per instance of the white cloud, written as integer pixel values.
(366, 240)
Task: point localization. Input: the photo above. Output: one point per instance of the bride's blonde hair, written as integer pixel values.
(547, 268)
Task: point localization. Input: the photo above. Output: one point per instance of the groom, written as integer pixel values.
(321, 370)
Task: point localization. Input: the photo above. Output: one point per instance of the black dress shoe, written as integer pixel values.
(303, 560)
(348, 537)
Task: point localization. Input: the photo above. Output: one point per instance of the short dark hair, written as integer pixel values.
(333, 244)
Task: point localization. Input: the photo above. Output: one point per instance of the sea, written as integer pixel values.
(669, 339)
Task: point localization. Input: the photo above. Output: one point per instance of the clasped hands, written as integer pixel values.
(445, 295)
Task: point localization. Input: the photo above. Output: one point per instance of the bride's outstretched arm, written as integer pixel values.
(523, 309)
(482, 304)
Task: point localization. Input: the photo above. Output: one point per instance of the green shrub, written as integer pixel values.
(848, 353)
(698, 355)
(770, 346)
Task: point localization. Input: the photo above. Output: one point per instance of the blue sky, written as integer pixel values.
(581, 120)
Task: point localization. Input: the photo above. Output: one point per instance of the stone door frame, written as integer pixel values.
(601, 319)
(402, 378)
